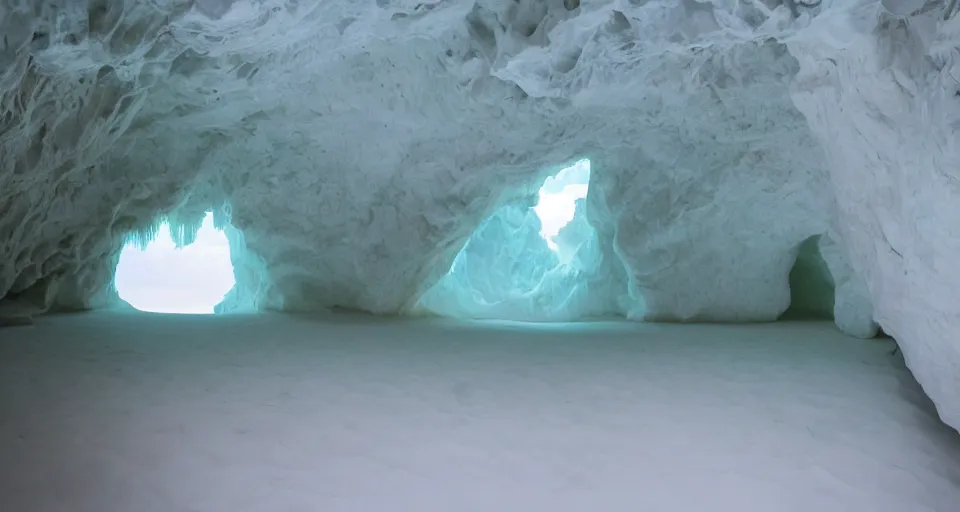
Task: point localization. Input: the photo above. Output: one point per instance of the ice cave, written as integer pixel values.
(482, 255)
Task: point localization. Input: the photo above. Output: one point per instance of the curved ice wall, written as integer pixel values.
(355, 146)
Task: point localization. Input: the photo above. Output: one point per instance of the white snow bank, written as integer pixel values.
(222, 413)
(356, 146)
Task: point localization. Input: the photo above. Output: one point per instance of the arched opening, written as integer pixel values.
(811, 285)
(526, 263)
(173, 271)
(558, 198)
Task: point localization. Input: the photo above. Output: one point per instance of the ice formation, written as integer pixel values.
(354, 147)
(176, 270)
(530, 263)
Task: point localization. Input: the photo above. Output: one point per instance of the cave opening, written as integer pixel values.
(811, 284)
(557, 202)
(176, 268)
(525, 263)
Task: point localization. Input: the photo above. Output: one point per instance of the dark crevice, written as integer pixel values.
(811, 285)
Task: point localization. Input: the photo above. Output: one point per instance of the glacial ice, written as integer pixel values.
(354, 149)
(530, 263)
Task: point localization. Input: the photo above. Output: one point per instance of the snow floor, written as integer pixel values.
(133, 412)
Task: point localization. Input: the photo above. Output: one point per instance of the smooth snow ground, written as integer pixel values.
(136, 412)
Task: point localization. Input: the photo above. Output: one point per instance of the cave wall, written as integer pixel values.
(745, 180)
(356, 166)
(354, 146)
(66, 102)
(881, 93)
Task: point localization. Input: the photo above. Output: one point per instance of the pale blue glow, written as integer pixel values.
(166, 279)
(529, 264)
(558, 200)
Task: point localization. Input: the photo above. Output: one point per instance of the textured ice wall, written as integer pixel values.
(80, 168)
(880, 88)
(355, 145)
(358, 144)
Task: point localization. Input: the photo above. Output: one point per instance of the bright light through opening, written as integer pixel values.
(558, 199)
(165, 279)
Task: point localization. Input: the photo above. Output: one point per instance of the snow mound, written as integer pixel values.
(353, 148)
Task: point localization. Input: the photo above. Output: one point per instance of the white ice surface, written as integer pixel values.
(155, 413)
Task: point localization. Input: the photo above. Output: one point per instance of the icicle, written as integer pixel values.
(142, 238)
(221, 217)
(183, 229)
